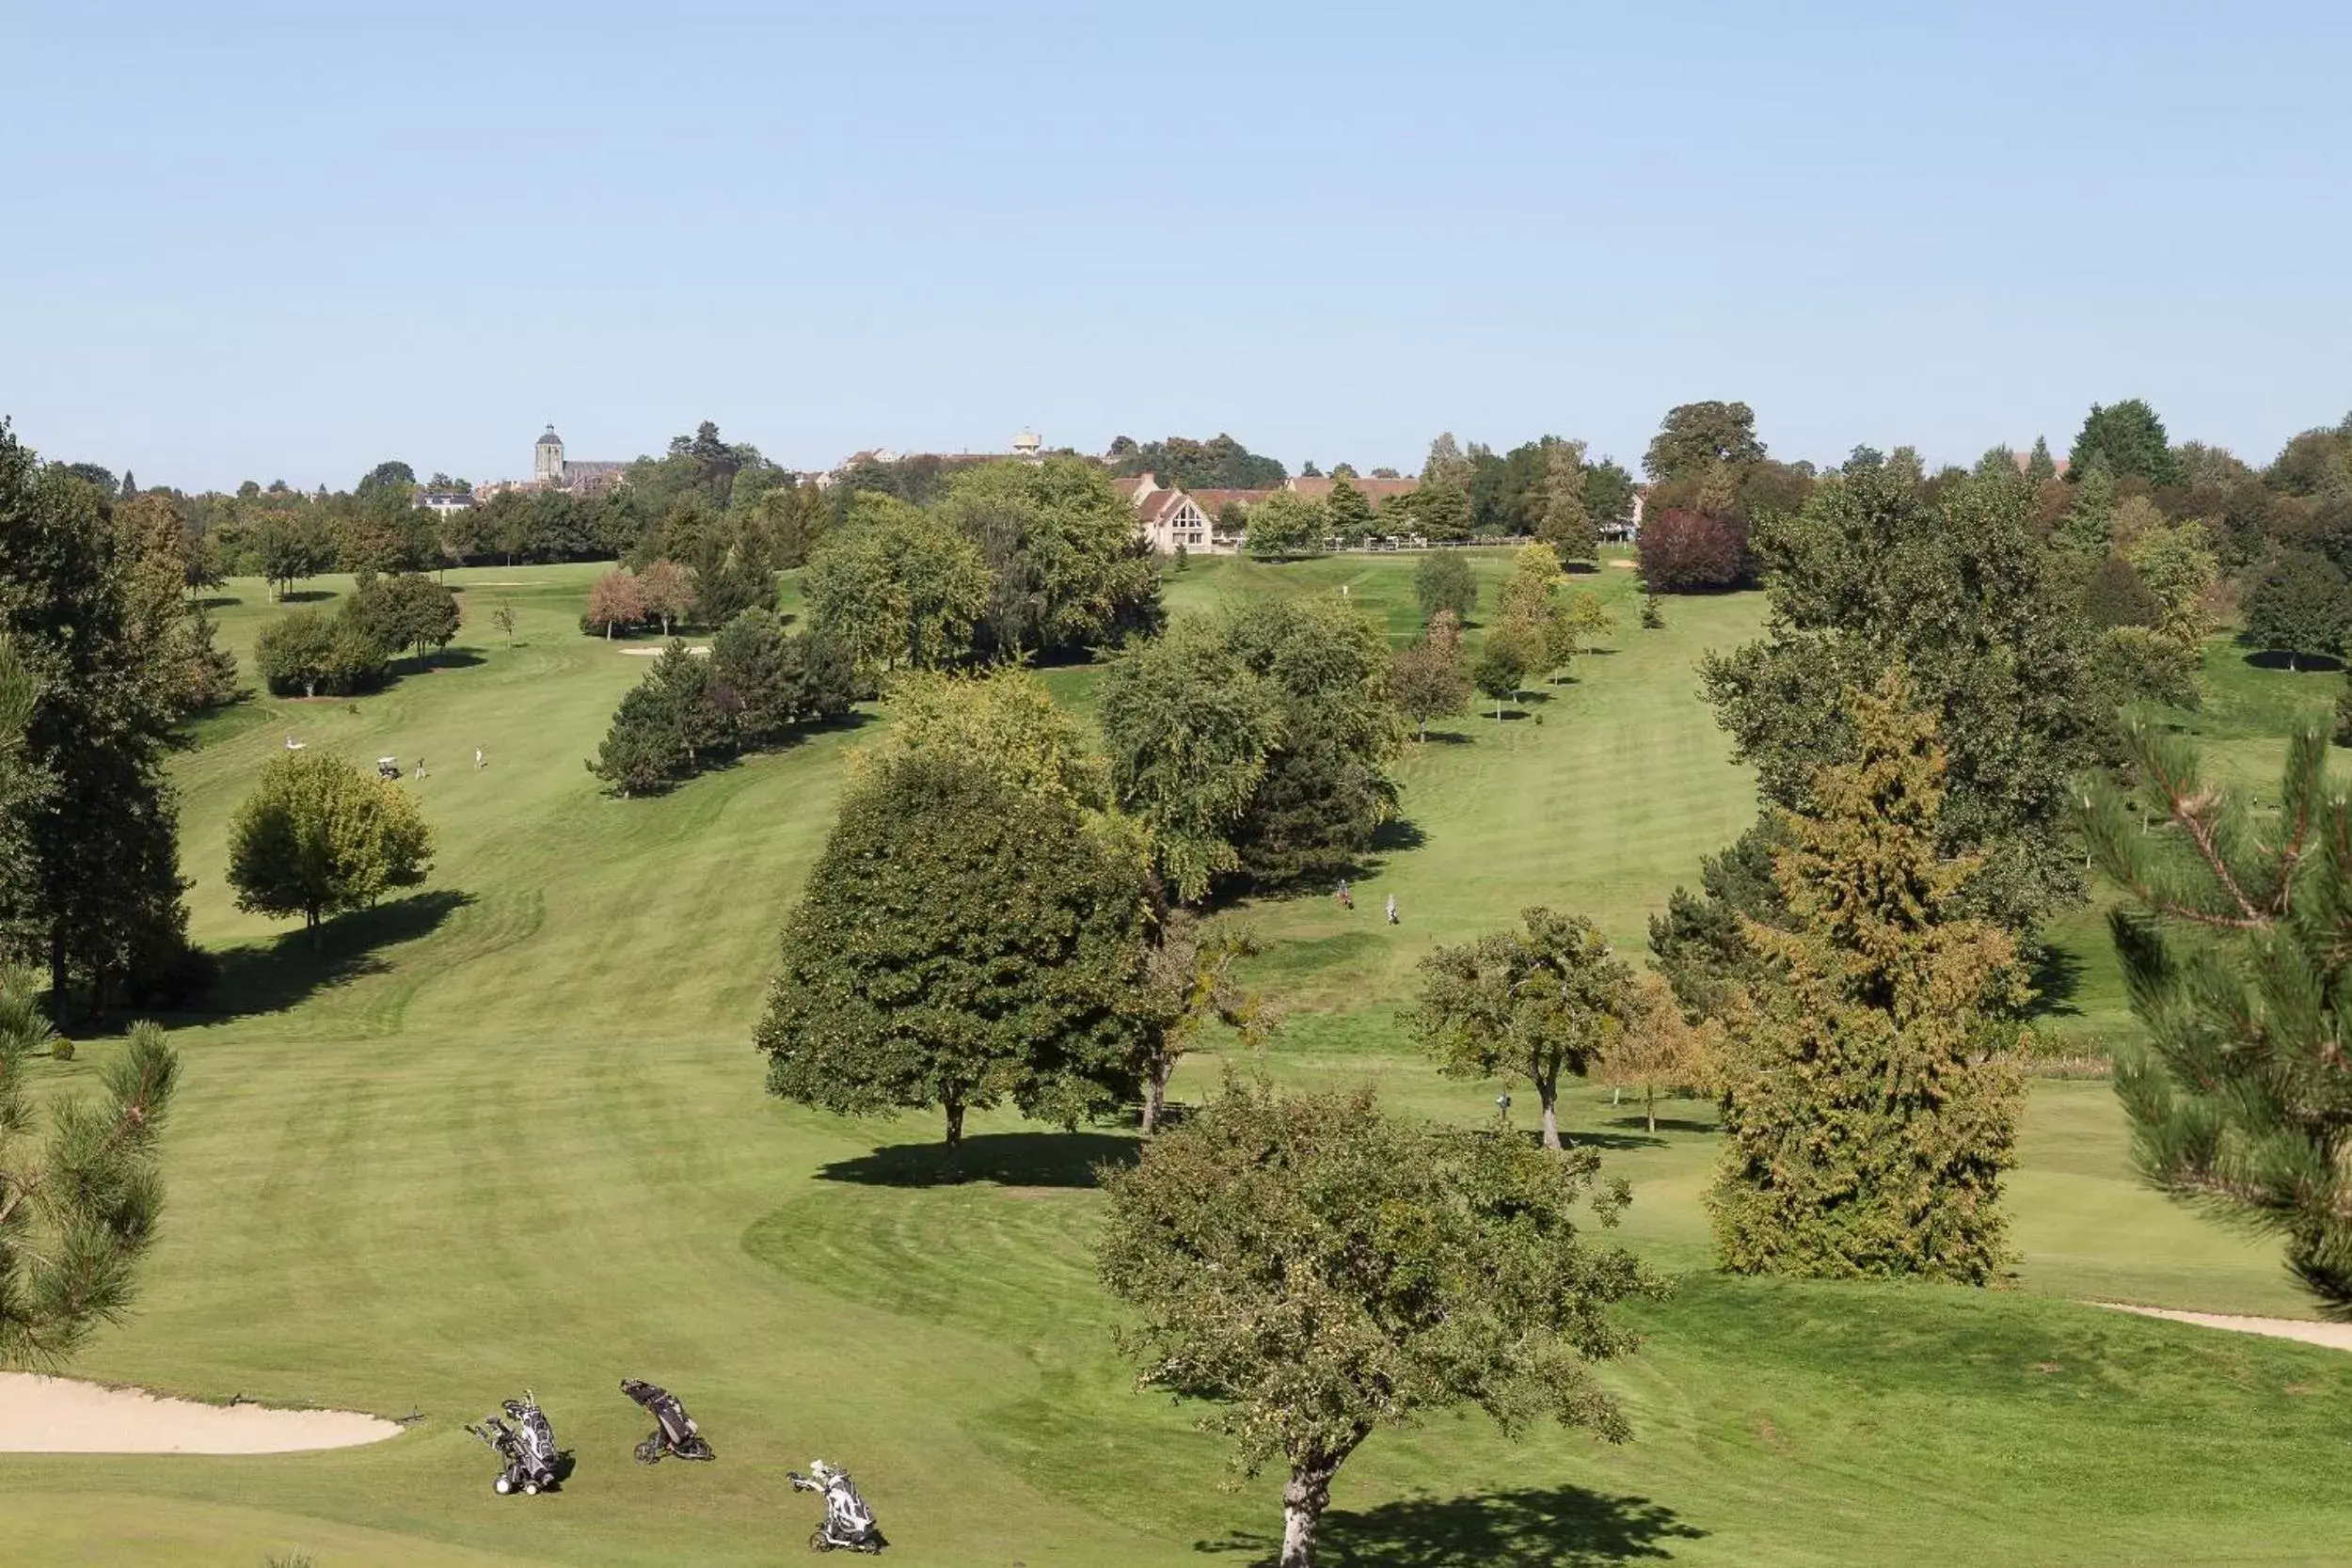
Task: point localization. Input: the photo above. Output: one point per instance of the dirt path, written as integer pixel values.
(2332, 1335)
(54, 1415)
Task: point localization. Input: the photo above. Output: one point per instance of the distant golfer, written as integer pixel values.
(421, 767)
(477, 758)
(1392, 908)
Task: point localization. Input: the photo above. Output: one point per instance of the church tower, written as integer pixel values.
(547, 458)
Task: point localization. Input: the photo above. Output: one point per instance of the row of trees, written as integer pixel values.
(309, 652)
(1015, 559)
(753, 690)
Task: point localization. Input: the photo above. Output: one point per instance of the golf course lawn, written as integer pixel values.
(509, 1129)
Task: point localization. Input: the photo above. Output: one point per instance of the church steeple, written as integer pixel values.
(547, 458)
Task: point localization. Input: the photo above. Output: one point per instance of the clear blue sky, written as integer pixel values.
(292, 241)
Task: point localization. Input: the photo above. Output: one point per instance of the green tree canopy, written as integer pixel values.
(1872, 1092)
(317, 837)
(2301, 605)
(1188, 730)
(1317, 1269)
(103, 897)
(2131, 439)
(1696, 437)
(1986, 617)
(1286, 523)
(961, 943)
(897, 586)
(1068, 569)
(1442, 584)
(1533, 1004)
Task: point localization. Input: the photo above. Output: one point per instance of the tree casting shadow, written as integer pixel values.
(1008, 1159)
(2309, 664)
(2058, 975)
(1565, 1527)
(278, 975)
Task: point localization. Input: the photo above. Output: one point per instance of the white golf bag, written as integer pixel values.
(849, 1523)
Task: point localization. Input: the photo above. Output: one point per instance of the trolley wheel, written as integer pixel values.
(502, 1486)
(530, 1489)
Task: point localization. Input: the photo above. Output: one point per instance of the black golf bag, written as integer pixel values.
(525, 1451)
(848, 1525)
(674, 1435)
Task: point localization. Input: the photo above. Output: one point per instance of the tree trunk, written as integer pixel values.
(310, 919)
(1548, 1091)
(56, 971)
(1649, 1108)
(955, 1136)
(1305, 1496)
(1155, 1092)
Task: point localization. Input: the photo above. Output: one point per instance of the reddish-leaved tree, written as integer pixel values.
(615, 599)
(1689, 552)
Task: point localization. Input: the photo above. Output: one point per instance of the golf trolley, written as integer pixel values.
(848, 1525)
(526, 1449)
(387, 768)
(674, 1435)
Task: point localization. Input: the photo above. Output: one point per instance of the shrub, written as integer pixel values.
(1688, 552)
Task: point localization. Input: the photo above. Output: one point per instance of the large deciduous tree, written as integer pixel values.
(1188, 730)
(78, 1210)
(318, 837)
(1986, 617)
(1442, 584)
(1872, 1089)
(1069, 570)
(898, 587)
(1317, 1269)
(1685, 553)
(2235, 944)
(1428, 679)
(1286, 523)
(962, 942)
(1696, 437)
(1536, 1004)
(2301, 605)
(103, 900)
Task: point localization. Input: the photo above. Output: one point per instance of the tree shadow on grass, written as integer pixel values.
(2058, 975)
(442, 658)
(2308, 664)
(1398, 832)
(276, 976)
(1565, 1527)
(1665, 1124)
(1008, 1159)
(307, 595)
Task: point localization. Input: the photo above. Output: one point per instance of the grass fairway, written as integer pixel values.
(510, 1131)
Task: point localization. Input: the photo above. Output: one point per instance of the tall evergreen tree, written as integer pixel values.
(2131, 438)
(2040, 468)
(104, 899)
(2237, 949)
(1872, 1092)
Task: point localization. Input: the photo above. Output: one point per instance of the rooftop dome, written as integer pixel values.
(549, 439)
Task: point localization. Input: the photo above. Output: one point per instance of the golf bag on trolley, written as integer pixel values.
(525, 1451)
(848, 1525)
(674, 1435)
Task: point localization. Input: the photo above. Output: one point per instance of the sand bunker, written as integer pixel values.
(656, 653)
(2332, 1335)
(55, 1414)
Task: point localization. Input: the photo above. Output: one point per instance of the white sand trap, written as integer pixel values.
(55, 1415)
(702, 649)
(532, 582)
(2332, 1335)
(1626, 564)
